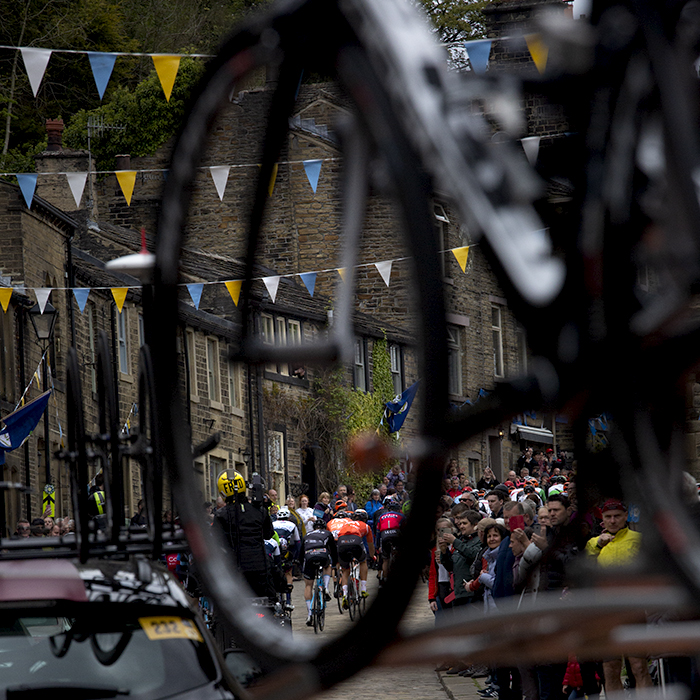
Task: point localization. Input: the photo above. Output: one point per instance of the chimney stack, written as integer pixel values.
(54, 128)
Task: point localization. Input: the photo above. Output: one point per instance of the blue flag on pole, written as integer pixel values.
(397, 410)
(20, 423)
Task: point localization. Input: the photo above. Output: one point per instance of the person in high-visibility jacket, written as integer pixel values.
(616, 546)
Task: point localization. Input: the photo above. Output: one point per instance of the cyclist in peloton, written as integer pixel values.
(290, 543)
(349, 539)
(389, 525)
(318, 548)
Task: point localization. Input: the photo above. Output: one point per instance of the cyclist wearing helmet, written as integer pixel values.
(388, 529)
(289, 546)
(318, 548)
(245, 529)
(349, 538)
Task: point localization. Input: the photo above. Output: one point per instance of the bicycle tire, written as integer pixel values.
(352, 603)
(315, 606)
(439, 431)
(338, 593)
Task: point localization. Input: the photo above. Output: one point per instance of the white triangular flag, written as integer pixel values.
(219, 173)
(531, 146)
(384, 269)
(76, 182)
(35, 62)
(42, 296)
(272, 283)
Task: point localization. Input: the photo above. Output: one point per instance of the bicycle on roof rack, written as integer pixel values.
(625, 79)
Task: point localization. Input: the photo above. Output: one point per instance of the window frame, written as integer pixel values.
(191, 342)
(360, 378)
(455, 386)
(497, 338)
(396, 368)
(123, 341)
(213, 370)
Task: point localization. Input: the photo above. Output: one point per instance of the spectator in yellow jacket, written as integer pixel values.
(616, 546)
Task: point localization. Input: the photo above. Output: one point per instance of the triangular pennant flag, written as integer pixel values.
(531, 146)
(76, 182)
(35, 62)
(313, 170)
(341, 272)
(27, 183)
(166, 67)
(234, 289)
(461, 254)
(6, 295)
(272, 283)
(273, 177)
(126, 180)
(119, 294)
(478, 53)
(538, 50)
(81, 296)
(195, 291)
(309, 279)
(102, 65)
(219, 173)
(42, 296)
(384, 269)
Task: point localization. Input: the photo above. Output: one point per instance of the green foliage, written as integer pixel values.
(456, 20)
(149, 119)
(68, 87)
(331, 415)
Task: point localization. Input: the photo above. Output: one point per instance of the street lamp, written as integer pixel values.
(44, 323)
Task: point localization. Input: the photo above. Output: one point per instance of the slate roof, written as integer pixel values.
(217, 313)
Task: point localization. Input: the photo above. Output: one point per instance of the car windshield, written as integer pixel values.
(98, 655)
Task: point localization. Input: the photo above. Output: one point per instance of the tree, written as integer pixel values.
(148, 119)
(454, 22)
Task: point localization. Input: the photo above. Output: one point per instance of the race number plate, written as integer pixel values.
(170, 628)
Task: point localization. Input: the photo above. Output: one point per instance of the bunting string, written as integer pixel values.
(219, 174)
(36, 60)
(195, 289)
(36, 372)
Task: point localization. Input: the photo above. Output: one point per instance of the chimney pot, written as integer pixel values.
(54, 129)
(123, 161)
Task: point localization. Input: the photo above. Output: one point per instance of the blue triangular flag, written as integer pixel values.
(313, 170)
(398, 408)
(27, 183)
(81, 296)
(102, 65)
(195, 291)
(478, 53)
(20, 423)
(309, 279)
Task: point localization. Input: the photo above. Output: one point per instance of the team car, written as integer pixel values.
(104, 629)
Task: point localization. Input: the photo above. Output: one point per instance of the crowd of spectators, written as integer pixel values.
(495, 542)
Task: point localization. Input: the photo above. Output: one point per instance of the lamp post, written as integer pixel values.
(44, 324)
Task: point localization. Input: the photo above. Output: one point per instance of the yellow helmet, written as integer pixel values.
(230, 483)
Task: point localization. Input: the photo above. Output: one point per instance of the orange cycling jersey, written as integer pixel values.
(355, 527)
(335, 526)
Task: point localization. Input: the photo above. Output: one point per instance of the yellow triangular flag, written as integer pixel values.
(234, 289)
(538, 50)
(166, 67)
(341, 272)
(271, 186)
(273, 179)
(461, 254)
(119, 294)
(5, 296)
(126, 180)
